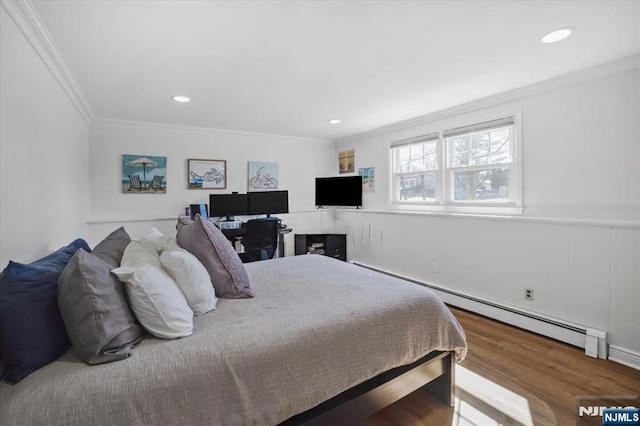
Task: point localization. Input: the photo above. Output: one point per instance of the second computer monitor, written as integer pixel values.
(228, 205)
(268, 202)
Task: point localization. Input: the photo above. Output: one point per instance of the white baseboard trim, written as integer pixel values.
(624, 356)
(572, 336)
(554, 328)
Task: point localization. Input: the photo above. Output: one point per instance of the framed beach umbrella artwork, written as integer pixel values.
(144, 174)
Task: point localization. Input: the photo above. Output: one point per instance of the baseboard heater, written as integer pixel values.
(566, 332)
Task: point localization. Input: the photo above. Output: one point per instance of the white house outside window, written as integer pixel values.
(469, 166)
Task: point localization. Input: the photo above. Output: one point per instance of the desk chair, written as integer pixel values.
(260, 240)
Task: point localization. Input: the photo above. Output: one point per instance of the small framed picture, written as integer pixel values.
(263, 176)
(206, 174)
(346, 161)
(368, 179)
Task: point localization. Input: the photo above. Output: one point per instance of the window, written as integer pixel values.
(467, 166)
(415, 165)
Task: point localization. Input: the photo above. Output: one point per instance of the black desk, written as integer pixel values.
(235, 235)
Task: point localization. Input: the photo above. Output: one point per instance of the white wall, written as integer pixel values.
(300, 161)
(577, 244)
(44, 153)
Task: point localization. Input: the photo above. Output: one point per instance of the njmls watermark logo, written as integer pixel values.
(608, 411)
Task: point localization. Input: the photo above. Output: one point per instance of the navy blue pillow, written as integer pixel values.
(32, 333)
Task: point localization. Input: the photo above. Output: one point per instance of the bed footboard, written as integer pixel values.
(434, 373)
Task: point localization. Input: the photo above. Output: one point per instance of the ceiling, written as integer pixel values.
(287, 67)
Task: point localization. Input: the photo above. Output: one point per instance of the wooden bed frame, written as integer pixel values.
(434, 372)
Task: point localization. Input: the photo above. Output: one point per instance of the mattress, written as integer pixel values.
(316, 327)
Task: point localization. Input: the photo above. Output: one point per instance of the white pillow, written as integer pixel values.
(154, 297)
(192, 278)
(140, 253)
(153, 237)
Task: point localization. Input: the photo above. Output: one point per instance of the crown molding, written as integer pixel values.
(27, 20)
(113, 122)
(600, 71)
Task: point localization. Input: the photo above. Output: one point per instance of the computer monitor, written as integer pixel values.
(268, 202)
(227, 205)
(200, 209)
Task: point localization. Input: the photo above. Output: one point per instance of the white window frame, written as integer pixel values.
(416, 141)
(444, 193)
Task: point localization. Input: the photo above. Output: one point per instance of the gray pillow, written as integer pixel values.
(205, 241)
(112, 248)
(93, 304)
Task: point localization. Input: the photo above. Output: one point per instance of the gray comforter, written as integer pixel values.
(316, 327)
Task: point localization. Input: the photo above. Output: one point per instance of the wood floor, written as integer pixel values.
(513, 377)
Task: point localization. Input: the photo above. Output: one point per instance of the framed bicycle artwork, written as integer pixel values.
(206, 174)
(262, 176)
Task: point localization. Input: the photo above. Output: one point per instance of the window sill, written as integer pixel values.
(393, 210)
(494, 210)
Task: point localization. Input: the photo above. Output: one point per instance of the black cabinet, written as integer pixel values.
(332, 245)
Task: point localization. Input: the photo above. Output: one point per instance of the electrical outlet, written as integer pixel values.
(528, 294)
(434, 267)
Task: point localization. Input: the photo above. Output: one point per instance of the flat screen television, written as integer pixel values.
(339, 191)
(268, 202)
(228, 205)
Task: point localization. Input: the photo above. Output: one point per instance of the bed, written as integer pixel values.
(321, 339)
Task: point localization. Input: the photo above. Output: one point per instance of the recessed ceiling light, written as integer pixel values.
(335, 121)
(181, 99)
(557, 35)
